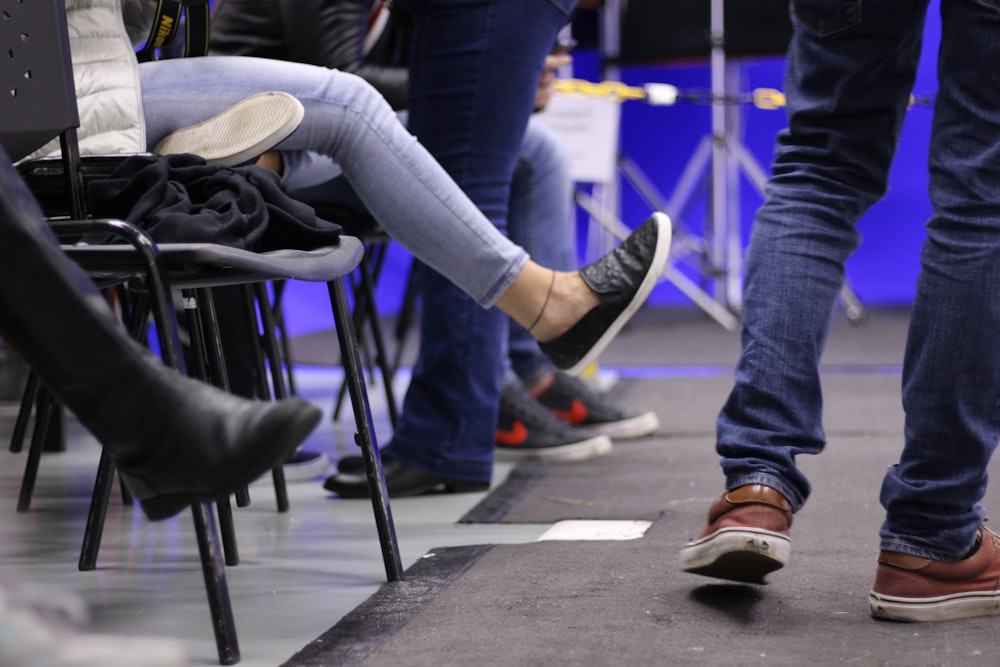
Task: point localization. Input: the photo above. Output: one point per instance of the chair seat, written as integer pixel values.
(193, 265)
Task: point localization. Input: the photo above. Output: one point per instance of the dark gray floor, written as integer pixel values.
(678, 337)
(626, 602)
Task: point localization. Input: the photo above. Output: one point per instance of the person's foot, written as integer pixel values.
(910, 588)
(573, 401)
(248, 438)
(240, 133)
(401, 480)
(304, 465)
(529, 431)
(746, 537)
(622, 279)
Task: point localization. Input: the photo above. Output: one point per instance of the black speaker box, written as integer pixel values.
(655, 30)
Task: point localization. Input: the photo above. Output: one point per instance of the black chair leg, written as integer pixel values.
(407, 313)
(43, 420)
(138, 318)
(28, 402)
(365, 310)
(94, 529)
(381, 357)
(227, 526)
(277, 310)
(55, 436)
(268, 347)
(207, 345)
(365, 436)
(216, 585)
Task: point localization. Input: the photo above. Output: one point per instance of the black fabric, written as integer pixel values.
(181, 199)
(328, 33)
(190, 17)
(657, 30)
(248, 28)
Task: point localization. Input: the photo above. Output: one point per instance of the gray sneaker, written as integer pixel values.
(527, 430)
(573, 401)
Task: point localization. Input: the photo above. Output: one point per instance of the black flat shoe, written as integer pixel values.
(401, 481)
(622, 279)
(352, 464)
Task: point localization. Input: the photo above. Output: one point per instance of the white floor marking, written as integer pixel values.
(576, 530)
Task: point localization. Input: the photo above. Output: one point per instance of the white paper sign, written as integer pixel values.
(587, 127)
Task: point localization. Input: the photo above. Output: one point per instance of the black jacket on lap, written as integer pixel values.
(180, 199)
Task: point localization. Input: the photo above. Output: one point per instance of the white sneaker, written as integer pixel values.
(306, 464)
(240, 133)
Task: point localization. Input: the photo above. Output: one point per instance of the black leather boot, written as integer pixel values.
(175, 440)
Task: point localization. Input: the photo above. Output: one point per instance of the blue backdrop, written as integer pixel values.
(661, 139)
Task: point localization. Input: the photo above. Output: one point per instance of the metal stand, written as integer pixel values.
(720, 162)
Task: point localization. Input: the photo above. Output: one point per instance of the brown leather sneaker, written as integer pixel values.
(910, 588)
(746, 537)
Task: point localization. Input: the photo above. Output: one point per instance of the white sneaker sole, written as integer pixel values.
(737, 554)
(577, 451)
(660, 255)
(240, 133)
(632, 427)
(944, 608)
(308, 470)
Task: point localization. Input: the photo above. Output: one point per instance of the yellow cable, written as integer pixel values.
(762, 98)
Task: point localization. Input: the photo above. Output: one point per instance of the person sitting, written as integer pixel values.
(574, 314)
(363, 37)
(175, 440)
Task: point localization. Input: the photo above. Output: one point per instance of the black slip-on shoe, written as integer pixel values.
(401, 481)
(622, 279)
(353, 464)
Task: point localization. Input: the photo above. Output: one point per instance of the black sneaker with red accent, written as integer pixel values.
(573, 401)
(527, 430)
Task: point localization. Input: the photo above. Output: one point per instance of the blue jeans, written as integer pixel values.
(403, 187)
(539, 220)
(474, 70)
(848, 80)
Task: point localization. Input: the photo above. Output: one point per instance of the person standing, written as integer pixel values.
(365, 38)
(474, 68)
(849, 79)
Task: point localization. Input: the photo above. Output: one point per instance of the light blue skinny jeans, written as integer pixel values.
(851, 66)
(539, 220)
(398, 181)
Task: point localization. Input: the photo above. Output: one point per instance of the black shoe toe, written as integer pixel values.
(352, 463)
(623, 279)
(401, 481)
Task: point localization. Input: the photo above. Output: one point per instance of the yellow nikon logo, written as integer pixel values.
(166, 25)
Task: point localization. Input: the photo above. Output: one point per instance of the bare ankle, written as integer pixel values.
(570, 300)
